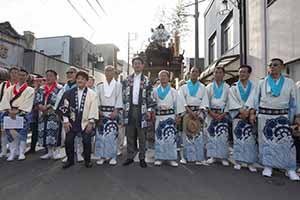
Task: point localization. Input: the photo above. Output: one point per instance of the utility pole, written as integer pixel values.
(128, 58)
(196, 61)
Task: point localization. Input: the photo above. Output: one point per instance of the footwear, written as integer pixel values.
(3, 147)
(183, 161)
(49, 155)
(267, 172)
(225, 163)
(100, 162)
(119, 152)
(88, 164)
(65, 159)
(128, 162)
(252, 168)
(30, 151)
(143, 164)
(157, 163)
(112, 161)
(68, 165)
(292, 175)
(173, 163)
(22, 147)
(56, 153)
(198, 163)
(12, 151)
(237, 167)
(79, 157)
(210, 161)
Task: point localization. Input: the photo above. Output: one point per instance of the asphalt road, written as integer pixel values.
(35, 179)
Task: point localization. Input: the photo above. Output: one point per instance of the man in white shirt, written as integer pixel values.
(138, 102)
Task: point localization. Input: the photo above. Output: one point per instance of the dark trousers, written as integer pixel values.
(87, 146)
(297, 145)
(34, 135)
(133, 132)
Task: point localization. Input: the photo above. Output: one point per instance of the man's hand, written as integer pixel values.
(252, 119)
(220, 117)
(42, 108)
(244, 114)
(13, 113)
(67, 126)
(178, 119)
(149, 115)
(297, 120)
(192, 114)
(114, 114)
(89, 127)
(213, 115)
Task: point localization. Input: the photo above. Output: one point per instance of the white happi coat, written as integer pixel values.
(194, 147)
(107, 131)
(165, 127)
(244, 134)
(276, 145)
(217, 132)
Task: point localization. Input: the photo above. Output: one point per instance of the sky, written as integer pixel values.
(47, 18)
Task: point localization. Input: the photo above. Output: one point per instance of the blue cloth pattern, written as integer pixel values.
(278, 149)
(107, 139)
(244, 142)
(217, 144)
(165, 140)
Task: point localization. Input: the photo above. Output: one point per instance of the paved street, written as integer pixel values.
(34, 179)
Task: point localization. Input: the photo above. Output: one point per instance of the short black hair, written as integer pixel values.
(246, 66)
(13, 68)
(52, 71)
(138, 58)
(82, 74)
(277, 59)
(23, 70)
(220, 67)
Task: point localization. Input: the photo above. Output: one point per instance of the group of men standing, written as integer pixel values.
(262, 118)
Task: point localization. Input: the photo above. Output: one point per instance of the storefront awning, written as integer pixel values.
(230, 63)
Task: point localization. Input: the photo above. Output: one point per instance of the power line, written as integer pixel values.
(92, 7)
(101, 7)
(80, 15)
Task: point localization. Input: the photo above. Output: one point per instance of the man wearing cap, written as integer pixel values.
(276, 104)
(110, 103)
(49, 122)
(170, 106)
(13, 76)
(244, 134)
(138, 102)
(196, 104)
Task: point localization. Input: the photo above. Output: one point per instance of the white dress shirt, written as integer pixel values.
(136, 88)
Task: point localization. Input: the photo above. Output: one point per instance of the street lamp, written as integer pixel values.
(241, 5)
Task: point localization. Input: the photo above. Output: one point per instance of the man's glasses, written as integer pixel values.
(70, 72)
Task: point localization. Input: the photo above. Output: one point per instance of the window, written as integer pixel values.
(227, 33)
(212, 48)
